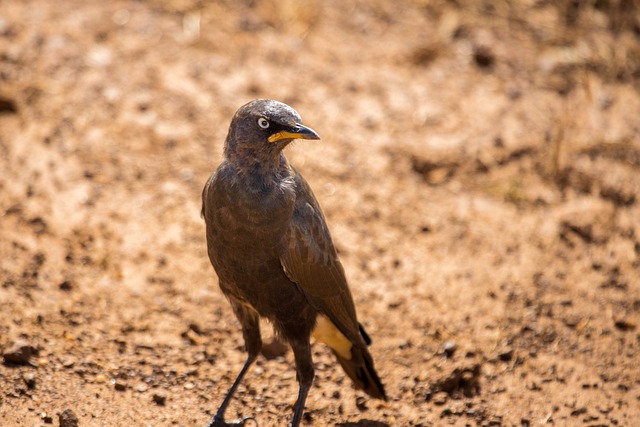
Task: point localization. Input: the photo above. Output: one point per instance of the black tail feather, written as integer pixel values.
(362, 372)
(365, 335)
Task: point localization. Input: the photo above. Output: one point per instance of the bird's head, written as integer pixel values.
(263, 127)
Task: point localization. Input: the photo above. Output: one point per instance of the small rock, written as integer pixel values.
(506, 354)
(68, 419)
(496, 420)
(120, 385)
(624, 325)
(68, 361)
(405, 344)
(65, 286)
(160, 398)
(455, 409)
(579, 411)
(462, 381)
(30, 380)
(142, 387)
(394, 304)
(19, 353)
(440, 398)
(483, 57)
(361, 403)
(193, 337)
(39, 225)
(7, 105)
(196, 328)
(449, 348)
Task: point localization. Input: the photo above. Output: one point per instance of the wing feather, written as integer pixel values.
(311, 261)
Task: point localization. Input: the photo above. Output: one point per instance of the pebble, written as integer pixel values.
(624, 325)
(506, 354)
(19, 353)
(30, 380)
(405, 344)
(440, 398)
(68, 361)
(48, 419)
(160, 398)
(65, 286)
(361, 403)
(449, 348)
(68, 419)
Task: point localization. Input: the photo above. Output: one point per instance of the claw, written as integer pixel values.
(219, 422)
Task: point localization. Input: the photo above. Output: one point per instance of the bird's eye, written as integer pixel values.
(263, 123)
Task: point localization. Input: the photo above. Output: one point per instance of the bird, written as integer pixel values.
(270, 246)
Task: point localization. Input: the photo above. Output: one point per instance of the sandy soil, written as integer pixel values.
(479, 169)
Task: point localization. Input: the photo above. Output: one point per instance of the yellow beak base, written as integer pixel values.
(286, 135)
(295, 132)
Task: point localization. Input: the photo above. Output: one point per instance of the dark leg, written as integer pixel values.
(251, 332)
(304, 366)
(218, 418)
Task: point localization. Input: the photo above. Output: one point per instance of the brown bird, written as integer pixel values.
(270, 246)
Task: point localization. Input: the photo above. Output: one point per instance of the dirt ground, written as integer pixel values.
(479, 168)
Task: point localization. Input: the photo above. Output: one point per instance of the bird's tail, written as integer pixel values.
(361, 370)
(353, 356)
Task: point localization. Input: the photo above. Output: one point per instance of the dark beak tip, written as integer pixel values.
(308, 132)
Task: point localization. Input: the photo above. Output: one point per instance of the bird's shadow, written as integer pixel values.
(364, 423)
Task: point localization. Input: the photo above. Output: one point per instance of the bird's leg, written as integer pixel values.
(218, 418)
(251, 332)
(304, 366)
(299, 408)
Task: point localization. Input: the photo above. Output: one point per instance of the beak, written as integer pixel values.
(298, 131)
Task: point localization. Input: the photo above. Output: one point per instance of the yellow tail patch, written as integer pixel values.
(326, 332)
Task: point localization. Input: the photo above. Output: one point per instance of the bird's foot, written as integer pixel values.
(220, 422)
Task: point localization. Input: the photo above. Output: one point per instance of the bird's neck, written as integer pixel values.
(259, 172)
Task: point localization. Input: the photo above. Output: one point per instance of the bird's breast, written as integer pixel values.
(249, 220)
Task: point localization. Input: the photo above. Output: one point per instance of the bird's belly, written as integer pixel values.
(257, 280)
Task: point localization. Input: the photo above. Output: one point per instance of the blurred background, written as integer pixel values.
(479, 170)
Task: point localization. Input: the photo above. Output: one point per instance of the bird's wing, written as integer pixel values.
(311, 261)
